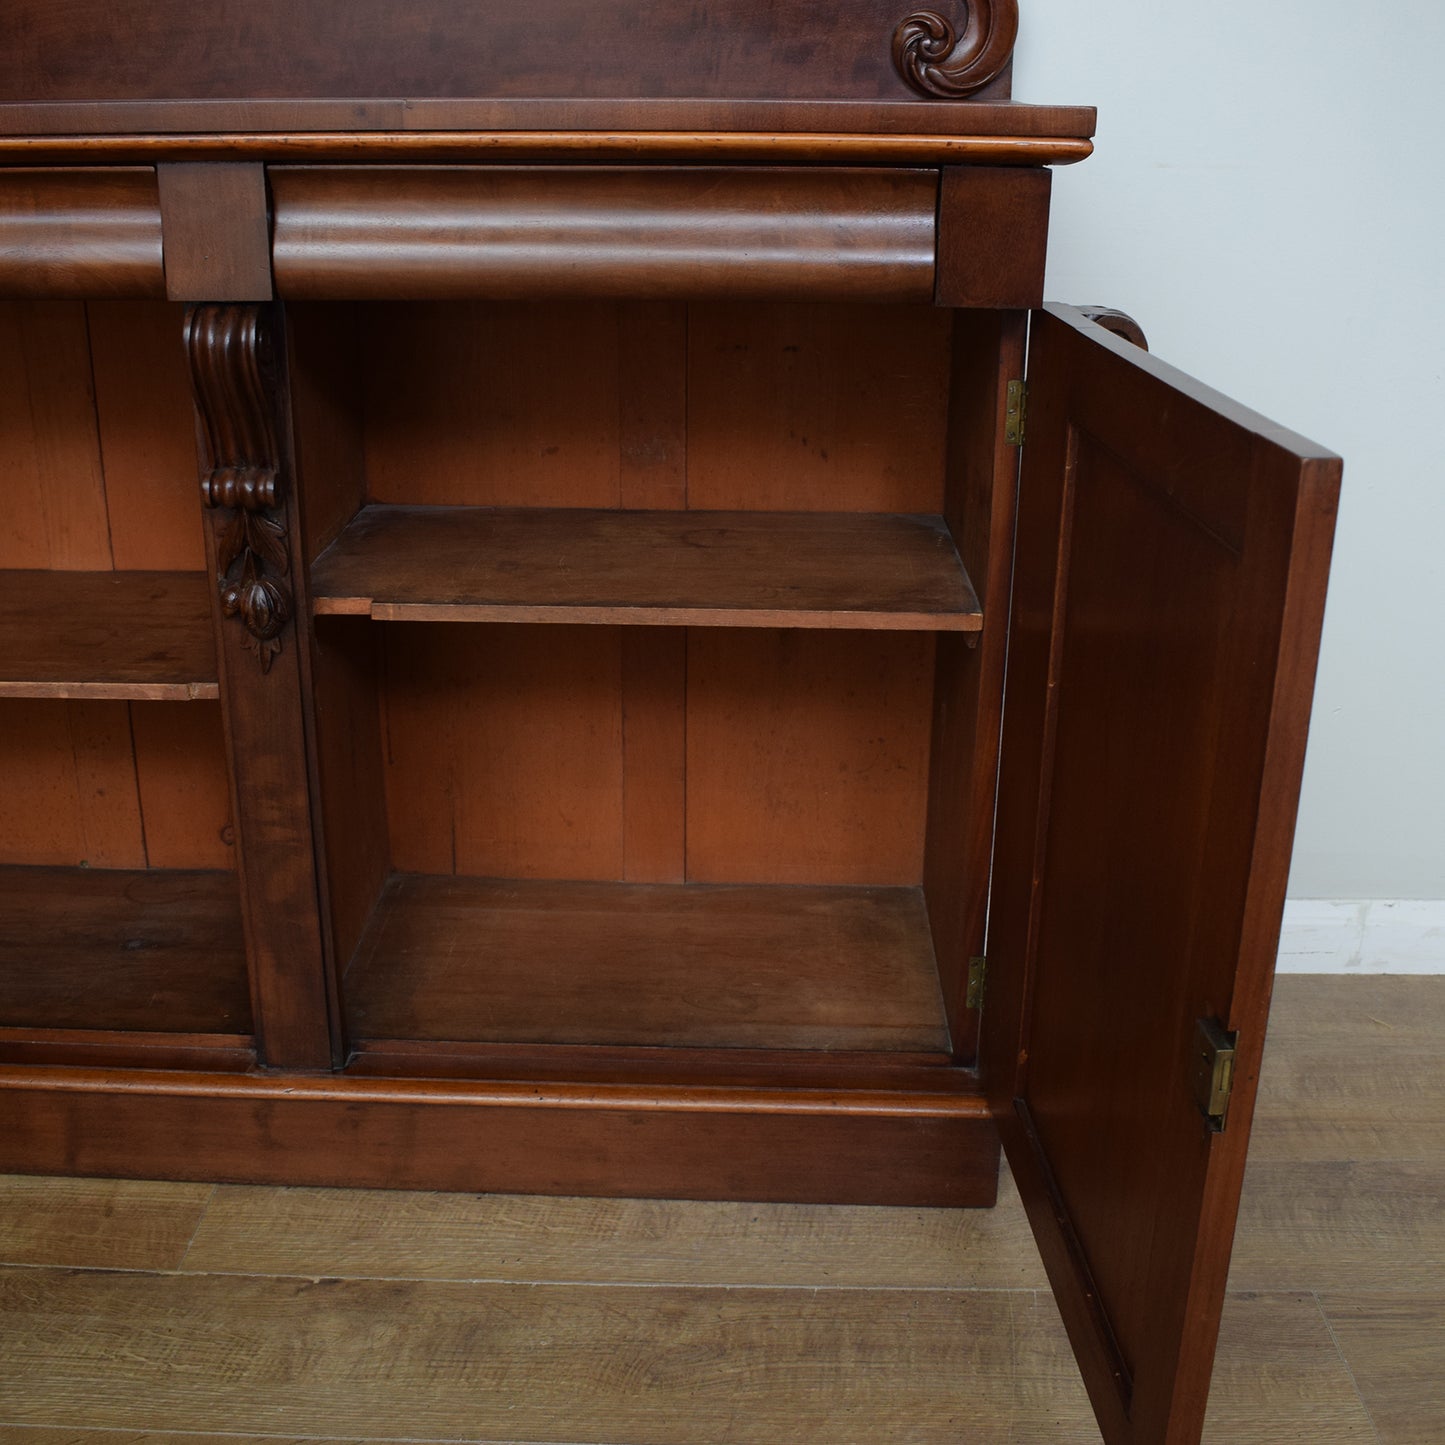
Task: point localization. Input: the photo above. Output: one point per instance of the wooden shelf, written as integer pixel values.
(709, 569)
(150, 952)
(671, 965)
(145, 635)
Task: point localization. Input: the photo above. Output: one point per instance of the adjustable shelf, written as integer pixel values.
(648, 568)
(153, 951)
(463, 960)
(139, 635)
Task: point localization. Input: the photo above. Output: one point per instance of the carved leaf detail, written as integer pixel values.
(939, 62)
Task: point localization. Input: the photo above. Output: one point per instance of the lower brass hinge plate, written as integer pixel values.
(1213, 1070)
(1015, 413)
(977, 979)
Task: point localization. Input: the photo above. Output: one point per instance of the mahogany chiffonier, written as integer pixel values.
(564, 743)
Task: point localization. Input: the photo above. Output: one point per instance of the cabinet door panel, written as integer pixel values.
(1168, 593)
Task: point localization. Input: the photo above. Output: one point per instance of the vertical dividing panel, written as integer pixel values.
(215, 229)
(968, 698)
(238, 368)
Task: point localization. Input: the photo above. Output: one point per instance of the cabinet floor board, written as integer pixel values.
(766, 967)
(142, 951)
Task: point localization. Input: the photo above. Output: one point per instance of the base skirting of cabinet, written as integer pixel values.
(920, 1146)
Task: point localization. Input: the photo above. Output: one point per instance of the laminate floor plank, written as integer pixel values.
(348, 1233)
(425, 1360)
(98, 1223)
(1395, 1347)
(1341, 1225)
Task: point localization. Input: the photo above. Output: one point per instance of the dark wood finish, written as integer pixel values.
(106, 635)
(941, 63)
(238, 367)
(216, 229)
(993, 227)
(663, 965)
(900, 1147)
(968, 691)
(80, 233)
(1169, 591)
(1119, 322)
(428, 232)
(98, 949)
(167, 49)
(712, 569)
(365, 129)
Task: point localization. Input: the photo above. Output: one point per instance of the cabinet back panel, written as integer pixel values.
(97, 448)
(611, 754)
(817, 408)
(113, 785)
(708, 405)
(807, 756)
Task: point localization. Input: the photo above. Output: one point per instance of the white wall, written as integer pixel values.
(1266, 200)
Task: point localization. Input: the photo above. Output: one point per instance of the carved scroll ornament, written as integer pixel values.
(230, 375)
(938, 62)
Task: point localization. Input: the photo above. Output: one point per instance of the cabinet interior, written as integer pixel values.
(119, 907)
(595, 829)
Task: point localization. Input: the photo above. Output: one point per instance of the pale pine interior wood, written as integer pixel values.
(940, 1310)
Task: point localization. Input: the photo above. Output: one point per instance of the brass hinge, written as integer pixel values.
(1016, 416)
(977, 980)
(1214, 1048)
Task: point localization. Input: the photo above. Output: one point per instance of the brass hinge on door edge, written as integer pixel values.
(1015, 416)
(977, 980)
(1213, 1070)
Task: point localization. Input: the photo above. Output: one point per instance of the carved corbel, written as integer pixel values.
(942, 64)
(231, 377)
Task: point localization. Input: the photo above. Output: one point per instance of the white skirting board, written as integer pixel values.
(1376, 935)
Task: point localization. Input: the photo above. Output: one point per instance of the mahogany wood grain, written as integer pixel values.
(106, 635)
(49, 444)
(912, 1148)
(807, 756)
(104, 949)
(511, 146)
(654, 754)
(648, 568)
(1170, 584)
(968, 692)
(417, 120)
(244, 435)
(509, 233)
(816, 407)
(165, 49)
(215, 223)
(993, 226)
(654, 964)
(80, 233)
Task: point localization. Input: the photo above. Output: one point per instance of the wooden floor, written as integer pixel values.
(185, 1314)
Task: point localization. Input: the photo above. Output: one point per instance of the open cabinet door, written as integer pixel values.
(1168, 593)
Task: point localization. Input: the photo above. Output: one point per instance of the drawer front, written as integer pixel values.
(360, 232)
